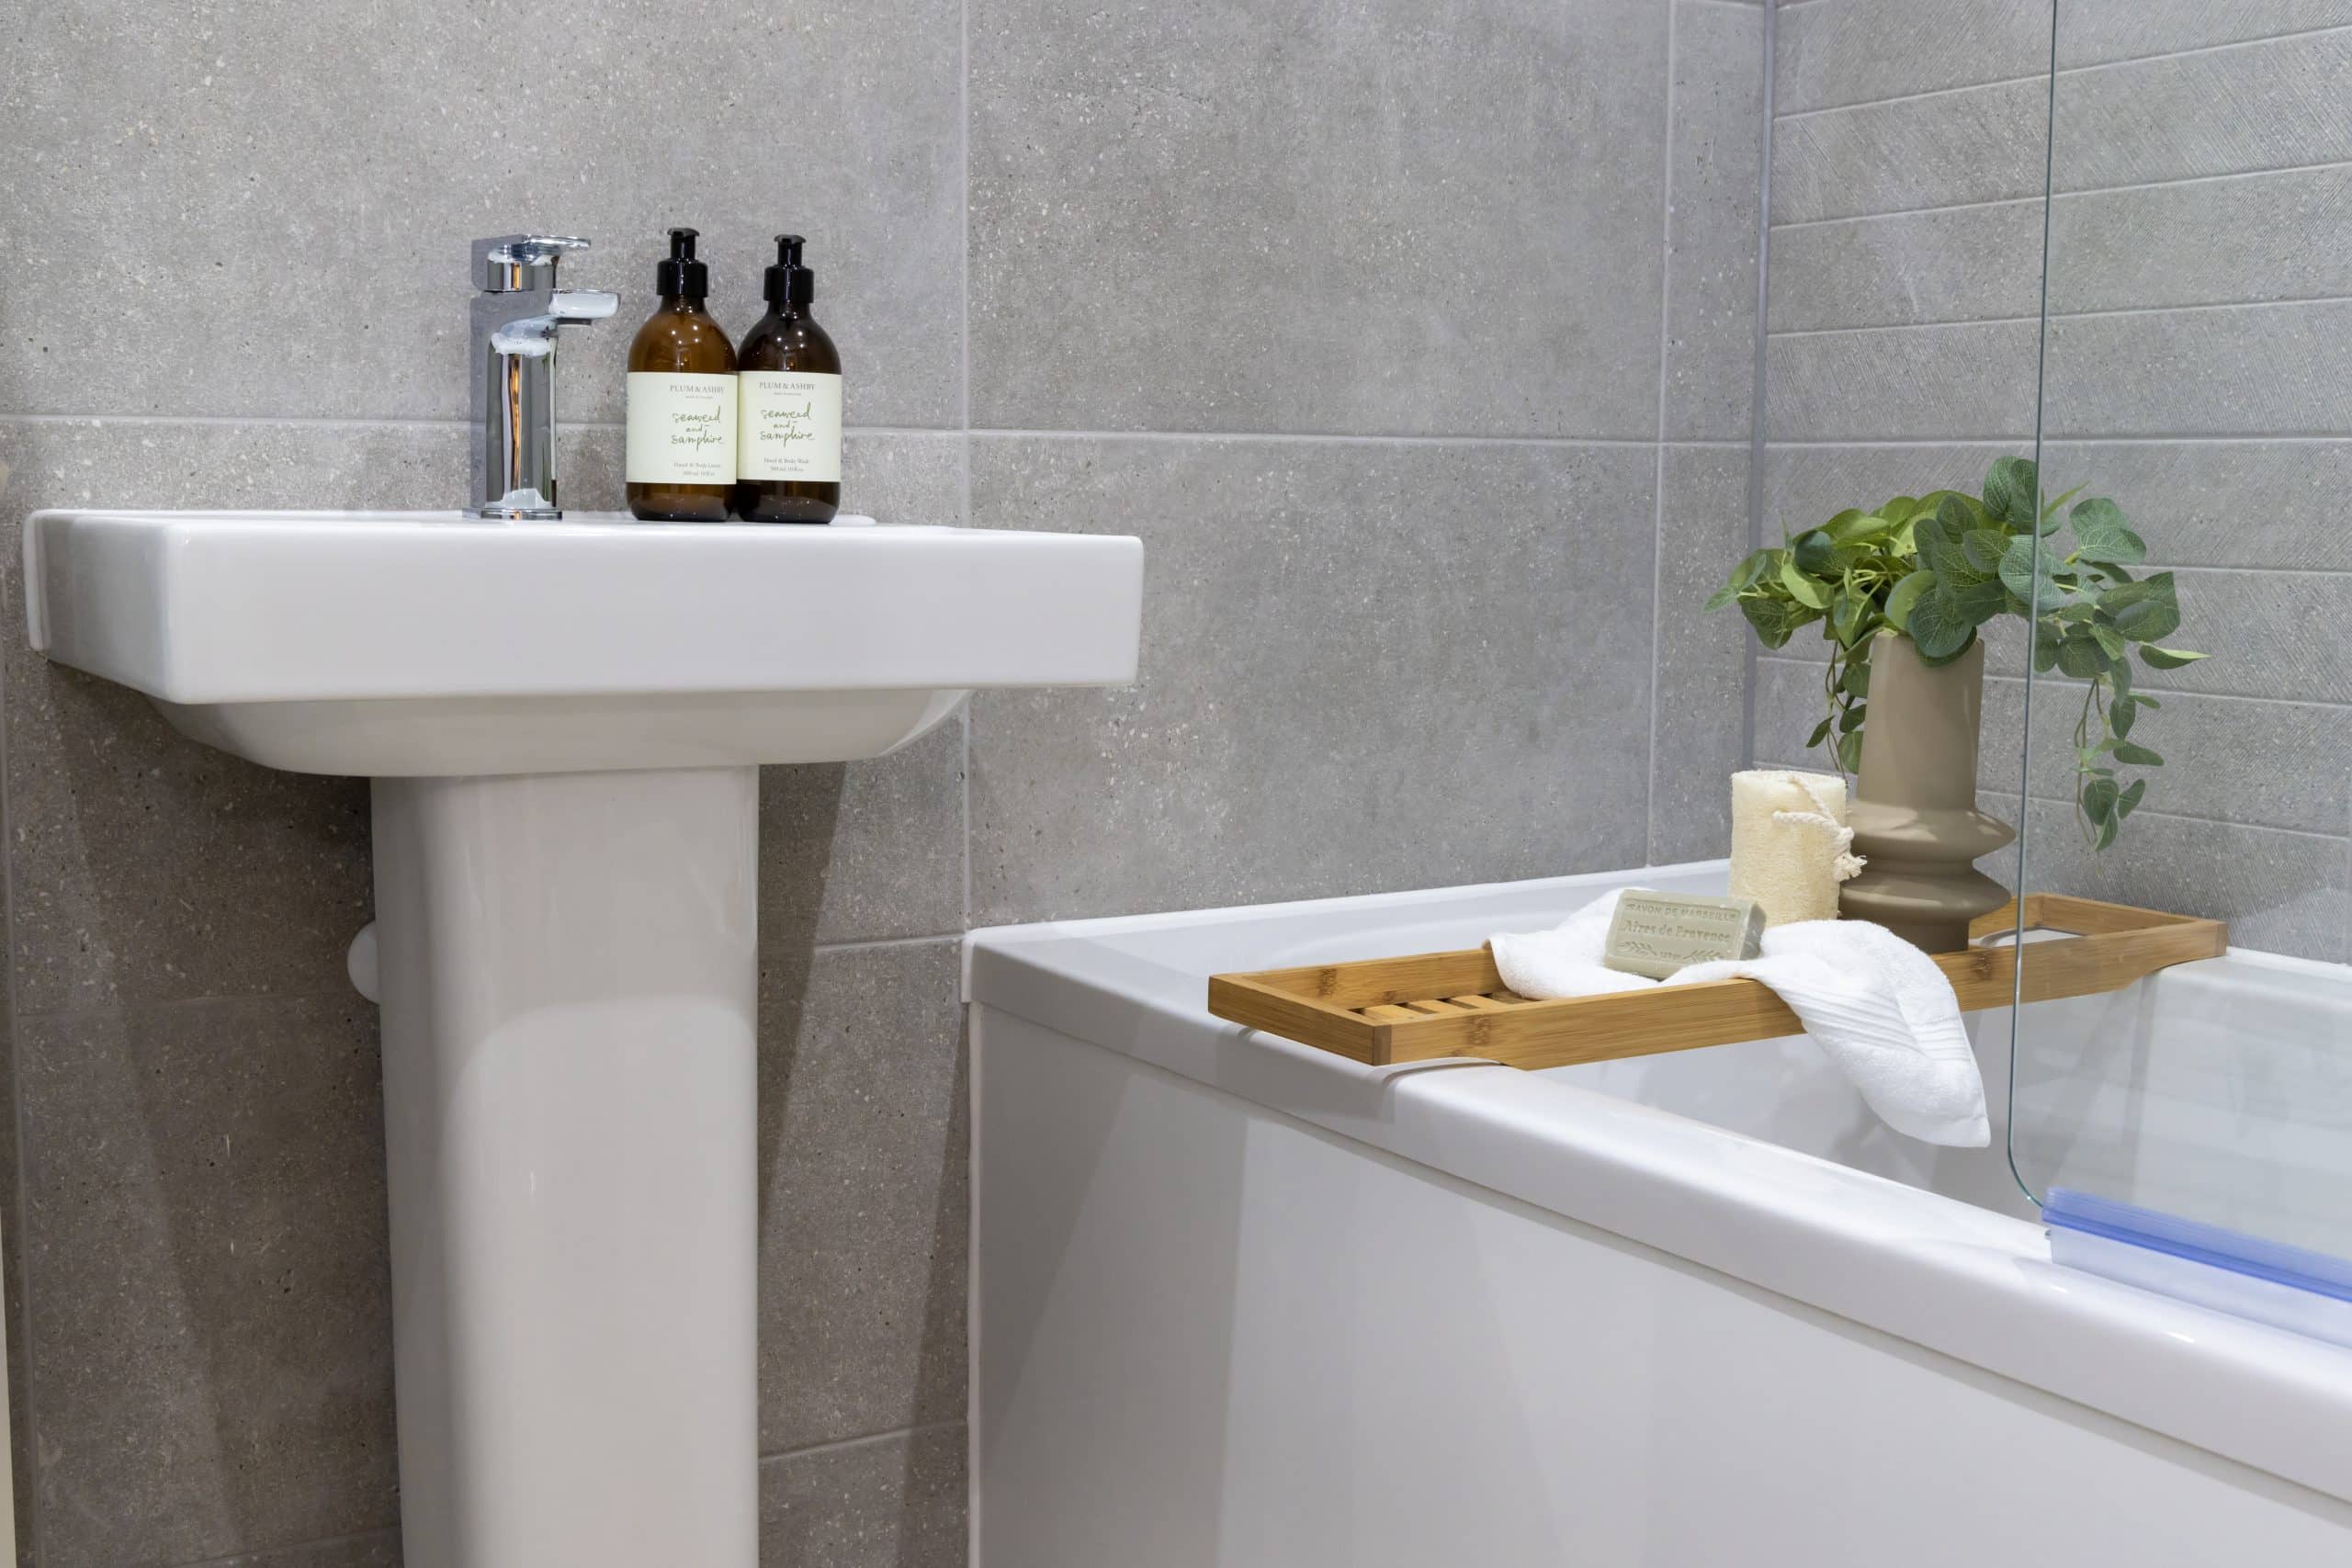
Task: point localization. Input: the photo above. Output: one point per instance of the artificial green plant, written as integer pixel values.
(1935, 568)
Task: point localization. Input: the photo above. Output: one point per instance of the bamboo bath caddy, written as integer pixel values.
(1385, 1010)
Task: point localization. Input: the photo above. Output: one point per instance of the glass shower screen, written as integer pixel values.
(2188, 702)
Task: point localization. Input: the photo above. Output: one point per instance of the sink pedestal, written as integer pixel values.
(569, 981)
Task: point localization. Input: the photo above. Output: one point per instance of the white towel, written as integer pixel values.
(1877, 1005)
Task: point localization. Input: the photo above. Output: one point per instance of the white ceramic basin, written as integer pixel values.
(562, 722)
(405, 644)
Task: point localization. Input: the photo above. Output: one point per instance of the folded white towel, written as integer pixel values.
(1877, 1005)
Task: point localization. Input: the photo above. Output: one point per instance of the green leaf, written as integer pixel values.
(1820, 734)
(1938, 626)
(2047, 635)
(1848, 617)
(2144, 611)
(1905, 594)
(1776, 620)
(2010, 487)
(2119, 717)
(2098, 799)
(2168, 659)
(1979, 600)
(1856, 680)
(1812, 551)
(1853, 526)
(2111, 642)
(2107, 831)
(1983, 549)
(1899, 510)
(2080, 656)
(2100, 534)
(1851, 719)
(2137, 756)
(2050, 510)
(2021, 564)
(2130, 798)
(1803, 589)
(1849, 752)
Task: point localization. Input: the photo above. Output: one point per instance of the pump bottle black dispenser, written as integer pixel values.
(789, 450)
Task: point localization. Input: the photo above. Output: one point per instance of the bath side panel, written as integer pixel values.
(1208, 1336)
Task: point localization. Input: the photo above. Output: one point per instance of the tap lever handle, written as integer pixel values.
(506, 263)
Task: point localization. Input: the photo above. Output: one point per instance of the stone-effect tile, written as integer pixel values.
(1969, 263)
(212, 1310)
(2093, 31)
(2270, 635)
(1789, 703)
(1855, 53)
(2264, 105)
(1702, 658)
(863, 1139)
(1973, 381)
(1364, 667)
(380, 1548)
(2264, 764)
(379, 139)
(2237, 370)
(853, 851)
(1197, 216)
(2256, 238)
(1806, 486)
(1710, 229)
(2235, 503)
(1977, 144)
(2287, 893)
(892, 1502)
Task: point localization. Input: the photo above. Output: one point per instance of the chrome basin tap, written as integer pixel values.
(516, 320)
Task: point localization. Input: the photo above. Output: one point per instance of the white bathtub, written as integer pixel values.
(1238, 1302)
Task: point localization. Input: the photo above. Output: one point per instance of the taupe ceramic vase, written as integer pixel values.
(1915, 816)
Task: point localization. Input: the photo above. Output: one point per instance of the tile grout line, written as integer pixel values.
(2083, 70)
(21, 1323)
(1658, 481)
(2192, 307)
(2075, 194)
(1758, 426)
(964, 127)
(1814, 664)
(864, 1440)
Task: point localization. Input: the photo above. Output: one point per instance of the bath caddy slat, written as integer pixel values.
(1384, 1011)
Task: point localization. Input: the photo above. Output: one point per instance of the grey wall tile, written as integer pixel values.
(380, 1549)
(1827, 55)
(1805, 486)
(2265, 106)
(864, 1195)
(1971, 381)
(1363, 667)
(1702, 658)
(2234, 370)
(205, 1238)
(852, 851)
(1968, 264)
(2256, 237)
(2287, 893)
(375, 141)
(2264, 764)
(1789, 703)
(2091, 31)
(1716, 169)
(145, 866)
(1167, 233)
(1977, 144)
(892, 1502)
(2234, 503)
(2276, 634)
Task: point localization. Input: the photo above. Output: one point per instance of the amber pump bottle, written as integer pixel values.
(682, 422)
(788, 451)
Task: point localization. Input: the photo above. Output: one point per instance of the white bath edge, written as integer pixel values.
(1963, 1282)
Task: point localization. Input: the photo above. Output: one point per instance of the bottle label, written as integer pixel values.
(791, 427)
(681, 429)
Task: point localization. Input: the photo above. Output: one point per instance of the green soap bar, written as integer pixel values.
(1658, 934)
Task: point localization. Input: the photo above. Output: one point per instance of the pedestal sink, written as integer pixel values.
(563, 721)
